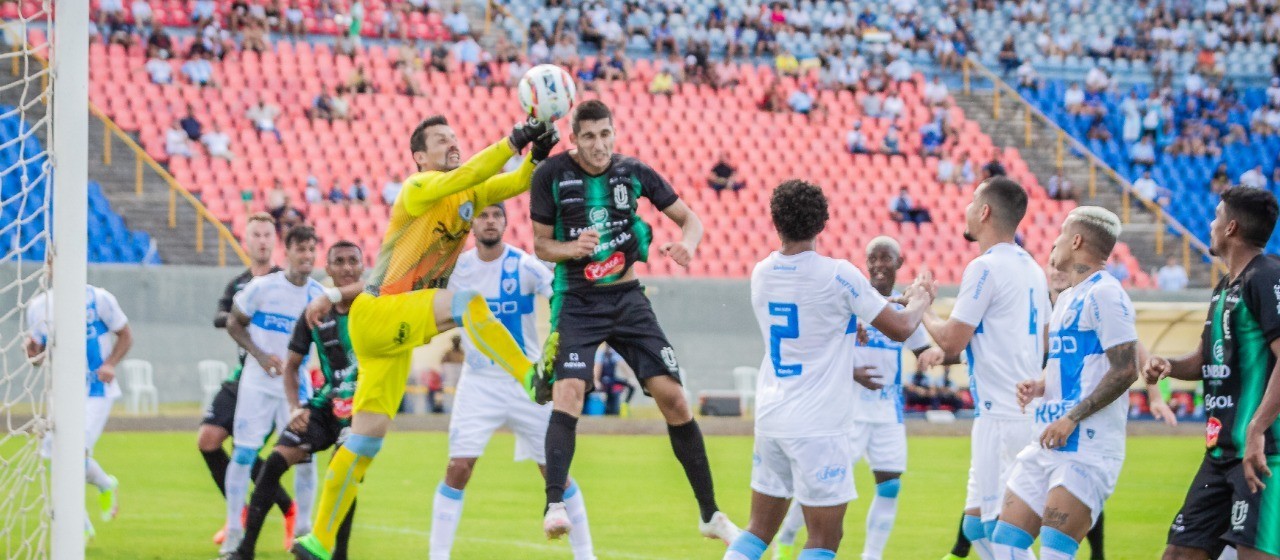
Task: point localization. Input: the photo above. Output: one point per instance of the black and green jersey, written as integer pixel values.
(565, 196)
(1244, 318)
(224, 306)
(339, 386)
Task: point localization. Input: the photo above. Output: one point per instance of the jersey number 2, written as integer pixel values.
(789, 329)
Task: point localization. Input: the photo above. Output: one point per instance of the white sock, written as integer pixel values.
(304, 495)
(580, 535)
(879, 524)
(93, 474)
(1051, 554)
(734, 555)
(237, 483)
(1006, 552)
(446, 510)
(1228, 553)
(791, 525)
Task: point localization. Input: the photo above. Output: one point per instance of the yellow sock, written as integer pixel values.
(337, 493)
(489, 335)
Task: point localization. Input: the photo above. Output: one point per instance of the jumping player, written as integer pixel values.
(216, 426)
(1234, 498)
(318, 423)
(261, 322)
(804, 302)
(878, 433)
(1064, 475)
(999, 323)
(583, 205)
(109, 340)
(404, 305)
(487, 397)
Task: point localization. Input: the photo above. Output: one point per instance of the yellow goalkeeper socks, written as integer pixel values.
(490, 336)
(341, 483)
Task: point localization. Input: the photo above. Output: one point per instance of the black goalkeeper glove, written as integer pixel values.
(543, 145)
(525, 133)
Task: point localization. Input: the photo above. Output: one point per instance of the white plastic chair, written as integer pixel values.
(744, 382)
(212, 374)
(139, 380)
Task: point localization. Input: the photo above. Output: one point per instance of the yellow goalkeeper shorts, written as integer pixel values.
(384, 331)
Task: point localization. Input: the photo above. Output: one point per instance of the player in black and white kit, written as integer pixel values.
(216, 426)
(583, 205)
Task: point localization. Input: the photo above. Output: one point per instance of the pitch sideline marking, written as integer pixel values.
(522, 544)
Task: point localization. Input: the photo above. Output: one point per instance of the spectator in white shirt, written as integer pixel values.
(1147, 188)
(160, 71)
(1254, 178)
(1065, 43)
(1100, 46)
(855, 141)
(263, 116)
(457, 22)
(141, 13)
(1060, 187)
(391, 189)
(1096, 80)
(312, 193)
(935, 92)
(1027, 76)
(893, 106)
(1073, 98)
(175, 141)
(1144, 152)
(218, 143)
(872, 105)
(900, 70)
(198, 71)
(1171, 277)
(1273, 91)
(948, 172)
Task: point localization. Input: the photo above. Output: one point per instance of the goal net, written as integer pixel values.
(39, 477)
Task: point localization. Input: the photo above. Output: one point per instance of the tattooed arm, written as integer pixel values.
(1120, 376)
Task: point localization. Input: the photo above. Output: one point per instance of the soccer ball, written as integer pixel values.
(547, 92)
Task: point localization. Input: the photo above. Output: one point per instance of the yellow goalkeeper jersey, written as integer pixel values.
(432, 216)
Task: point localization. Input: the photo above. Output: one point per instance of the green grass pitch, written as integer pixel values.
(640, 505)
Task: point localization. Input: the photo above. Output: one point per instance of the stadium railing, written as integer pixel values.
(1064, 141)
(143, 161)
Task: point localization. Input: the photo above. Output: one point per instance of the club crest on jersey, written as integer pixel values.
(510, 263)
(598, 215)
(1211, 430)
(621, 198)
(1239, 513)
(402, 334)
(669, 358)
(1217, 350)
(1090, 432)
(466, 210)
(509, 285)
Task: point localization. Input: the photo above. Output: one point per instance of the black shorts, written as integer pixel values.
(1220, 510)
(619, 314)
(222, 410)
(322, 432)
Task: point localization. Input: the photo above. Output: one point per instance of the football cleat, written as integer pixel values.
(556, 522)
(719, 528)
(308, 547)
(108, 501)
(537, 382)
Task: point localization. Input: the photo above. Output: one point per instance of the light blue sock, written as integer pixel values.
(989, 528)
(1011, 535)
(1056, 545)
(747, 546)
(972, 528)
(816, 554)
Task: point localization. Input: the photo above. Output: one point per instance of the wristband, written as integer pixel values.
(334, 295)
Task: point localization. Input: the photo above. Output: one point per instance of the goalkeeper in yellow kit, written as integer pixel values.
(403, 305)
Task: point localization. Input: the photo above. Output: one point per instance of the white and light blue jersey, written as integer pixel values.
(884, 405)
(273, 305)
(509, 283)
(103, 318)
(803, 303)
(1090, 318)
(1005, 296)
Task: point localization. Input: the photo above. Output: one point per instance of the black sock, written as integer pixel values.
(281, 498)
(561, 438)
(686, 442)
(961, 547)
(344, 534)
(1095, 539)
(266, 483)
(217, 461)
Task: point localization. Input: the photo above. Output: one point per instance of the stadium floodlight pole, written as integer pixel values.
(69, 156)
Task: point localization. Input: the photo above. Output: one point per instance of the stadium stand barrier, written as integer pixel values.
(974, 71)
(145, 164)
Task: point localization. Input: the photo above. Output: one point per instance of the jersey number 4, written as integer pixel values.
(789, 329)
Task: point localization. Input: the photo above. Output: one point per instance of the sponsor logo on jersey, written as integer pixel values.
(1217, 351)
(509, 285)
(1211, 430)
(982, 281)
(598, 215)
(1049, 412)
(1239, 513)
(1215, 402)
(574, 362)
(1178, 525)
(342, 408)
(1216, 371)
(669, 358)
(612, 265)
(466, 210)
(1062, 345)
(274, 322)
(402, 334)
(622, 197)
(511, 263)
(1275, 291)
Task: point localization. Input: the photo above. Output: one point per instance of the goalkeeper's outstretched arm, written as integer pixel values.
(421, 190)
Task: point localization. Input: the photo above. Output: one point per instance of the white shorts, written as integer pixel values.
(882, 444)
(484, 404)
(96, 412)
(816, 471)
(1090, 478)
(992, 451)
(258, 413)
